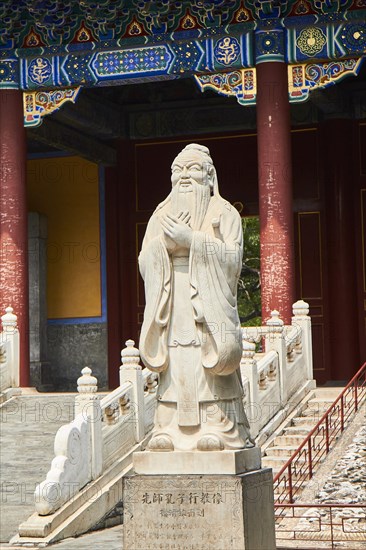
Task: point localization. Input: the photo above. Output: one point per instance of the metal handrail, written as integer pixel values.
(331, 525)
(322, 429)
(320, 505)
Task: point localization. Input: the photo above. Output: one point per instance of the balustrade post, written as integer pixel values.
(310, 459)
(87, 403)
(302, 320)
(327, 434)
(275, 340)
(356, 395)
(342, 413)
(290, 488)
(331, 526)
(10, 333)
(131, 371)
(249, 370)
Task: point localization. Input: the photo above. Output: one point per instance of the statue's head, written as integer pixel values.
(193, 165)
(194, 181)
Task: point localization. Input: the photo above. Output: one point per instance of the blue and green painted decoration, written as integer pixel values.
(58, 44)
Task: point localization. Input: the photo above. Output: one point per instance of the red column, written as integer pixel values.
(13, 219)
(275, 190)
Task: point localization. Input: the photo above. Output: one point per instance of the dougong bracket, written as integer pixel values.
(302, 79)
(38, 104)
(242, 84)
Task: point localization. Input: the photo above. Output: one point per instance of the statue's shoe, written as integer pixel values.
(161, 443)
(210, 442)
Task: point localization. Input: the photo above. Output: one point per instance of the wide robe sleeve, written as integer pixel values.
(215, 265)
(155, 269)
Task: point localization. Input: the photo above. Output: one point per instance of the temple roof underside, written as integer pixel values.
(56, 47)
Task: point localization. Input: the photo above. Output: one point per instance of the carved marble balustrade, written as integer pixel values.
(276, 378)
(103, 431)
(9, 356)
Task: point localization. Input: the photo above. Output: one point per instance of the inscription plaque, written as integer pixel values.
(192, 512)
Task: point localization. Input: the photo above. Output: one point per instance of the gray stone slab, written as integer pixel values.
(71, 347)
(196, 512)
(37, 263)
(28, 425)
(106, 539)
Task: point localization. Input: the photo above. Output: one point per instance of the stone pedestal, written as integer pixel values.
(203, 462)
(196, 512)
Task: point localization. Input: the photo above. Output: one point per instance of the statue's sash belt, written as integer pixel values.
(180, 260)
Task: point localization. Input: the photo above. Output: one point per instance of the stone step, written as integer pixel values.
(317, 409)
(278, 450)
(297, 430)
(274, 462)
(328, 393)
(304, 421)
(292, 440)
(314, 412)
(326, 401)
(280, 487)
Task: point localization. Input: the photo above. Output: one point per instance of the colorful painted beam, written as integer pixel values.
(292, 40)
(110, 66)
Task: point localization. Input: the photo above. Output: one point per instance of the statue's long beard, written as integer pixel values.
(195, 202)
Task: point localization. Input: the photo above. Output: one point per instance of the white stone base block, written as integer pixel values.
(200, 462)
(196, 512)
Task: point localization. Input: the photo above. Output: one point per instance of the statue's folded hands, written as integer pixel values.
(177, 228)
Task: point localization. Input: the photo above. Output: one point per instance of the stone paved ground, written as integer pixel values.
(107, 539)
(28, 425)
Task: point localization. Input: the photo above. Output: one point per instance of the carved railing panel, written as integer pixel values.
(118, 418)
(285, 364)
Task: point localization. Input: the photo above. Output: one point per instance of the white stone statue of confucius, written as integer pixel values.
(190, 261)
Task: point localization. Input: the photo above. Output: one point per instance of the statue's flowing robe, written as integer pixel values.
(191, 303)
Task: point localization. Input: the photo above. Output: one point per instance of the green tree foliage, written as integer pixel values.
(249, 288)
